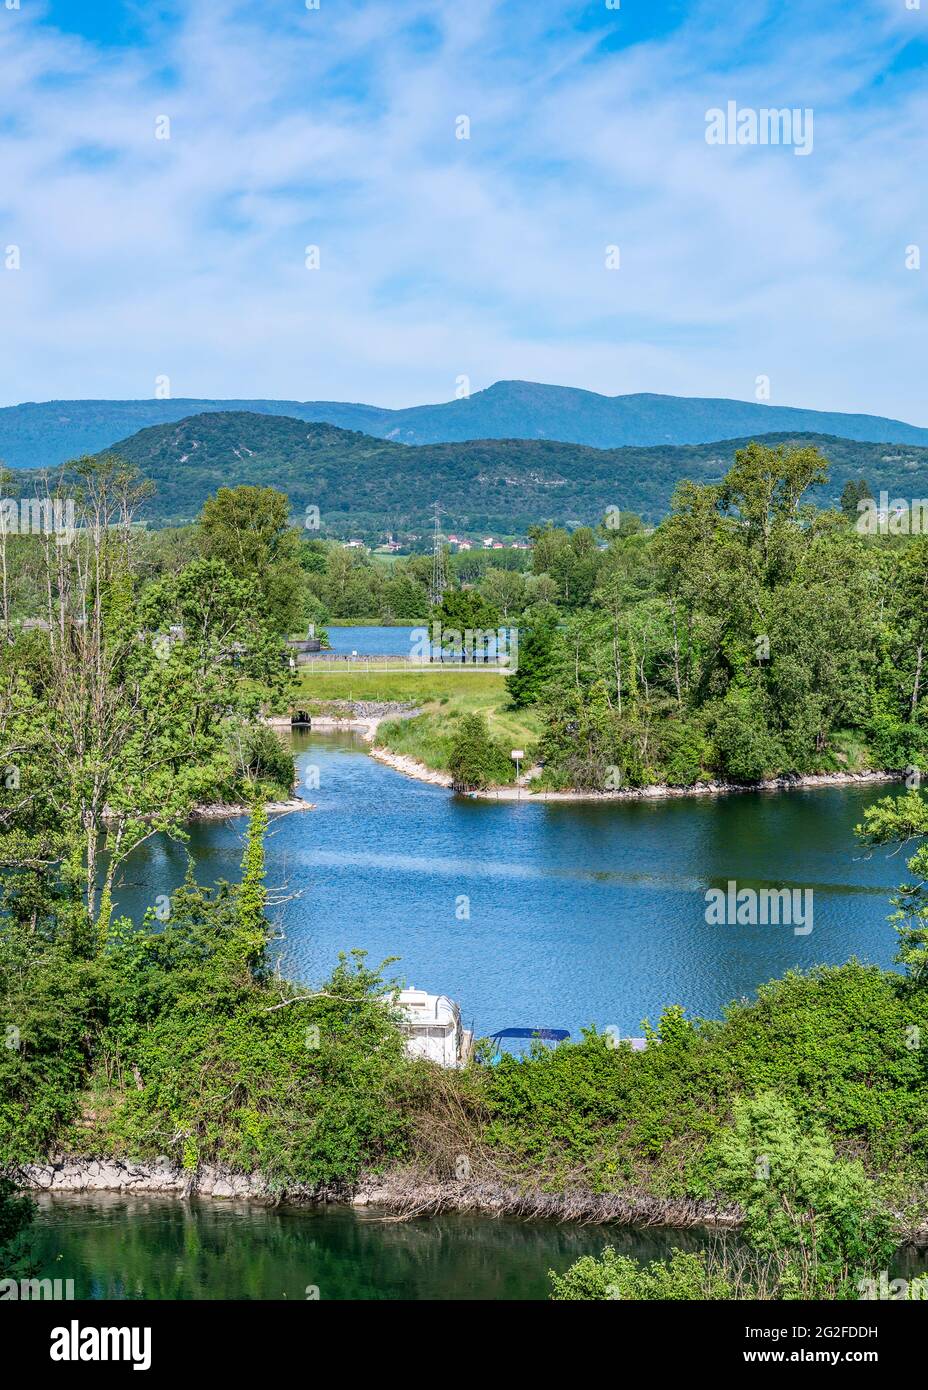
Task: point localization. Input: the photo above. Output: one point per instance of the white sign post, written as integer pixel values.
(517, 755)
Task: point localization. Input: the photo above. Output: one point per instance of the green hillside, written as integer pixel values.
(361, 483)
(44, 434)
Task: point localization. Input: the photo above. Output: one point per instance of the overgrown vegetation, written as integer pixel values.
(807, 1107)
(813, 1224)
(805, 1110)
(176, 1039)
(751, 635)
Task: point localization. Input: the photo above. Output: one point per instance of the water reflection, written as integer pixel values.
(578, 913)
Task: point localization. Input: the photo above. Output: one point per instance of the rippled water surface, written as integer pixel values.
(577, 913)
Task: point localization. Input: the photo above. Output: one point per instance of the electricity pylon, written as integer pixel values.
(439, 573)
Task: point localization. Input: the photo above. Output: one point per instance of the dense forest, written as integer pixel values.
(751, 634)
(45, 434)
(368, 488)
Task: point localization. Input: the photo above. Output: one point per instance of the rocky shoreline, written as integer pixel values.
(522, 791)
(400, 1196)
(408, 766)
(273, 808)
(403, 1195)
(798, 782)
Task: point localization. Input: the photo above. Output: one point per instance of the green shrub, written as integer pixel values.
(476, 761)
(613, 1276)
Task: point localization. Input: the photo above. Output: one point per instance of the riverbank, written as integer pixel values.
(399, 1196)
(523, 791)
(403, 1195)
(366, 718)
(227, 812)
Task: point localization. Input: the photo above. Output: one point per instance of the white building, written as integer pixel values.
(431, 1024)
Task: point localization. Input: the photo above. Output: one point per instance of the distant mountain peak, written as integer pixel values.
(39, 434)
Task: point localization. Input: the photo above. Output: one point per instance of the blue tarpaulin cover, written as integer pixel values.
(549, 1034)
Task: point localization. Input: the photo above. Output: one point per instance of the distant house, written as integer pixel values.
(488, 542)
(354, 545)
(464, 545)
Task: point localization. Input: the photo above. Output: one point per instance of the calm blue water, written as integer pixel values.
(371, 641)
(578, 914)
(394, 641)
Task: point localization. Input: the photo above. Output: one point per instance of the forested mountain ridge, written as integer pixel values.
(45, 434)
(361, 483)
(530, 410)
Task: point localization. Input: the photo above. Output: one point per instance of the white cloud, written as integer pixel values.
(439, 256)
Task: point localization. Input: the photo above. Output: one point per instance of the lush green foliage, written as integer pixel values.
(128, 701)
(365, 486)
(476, 760)
(819, 1214)
(247, 529)
(813, 1224)
(752, 635)
(177, 1040)
(613, 1276)
(904, 820)
(835, 1044)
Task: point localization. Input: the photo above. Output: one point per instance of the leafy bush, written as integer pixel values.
(613, 1276)
(476, 761)
(818, 1213)
(262, 763)
(746, 751)
(833, 1043)
(684, 752)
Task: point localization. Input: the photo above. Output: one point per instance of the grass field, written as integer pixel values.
(431, 683)
(442, 695)
(372, 622)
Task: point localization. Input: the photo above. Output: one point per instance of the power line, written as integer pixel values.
(439, 573)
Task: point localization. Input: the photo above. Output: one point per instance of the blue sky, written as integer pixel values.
(440, 258)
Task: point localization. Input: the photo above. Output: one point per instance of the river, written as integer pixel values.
(561, 914)
(159, 1247)
(552, 915)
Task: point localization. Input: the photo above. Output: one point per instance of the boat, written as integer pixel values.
(432, 1027)
(552, 1035)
